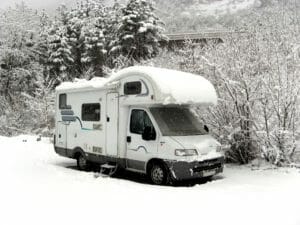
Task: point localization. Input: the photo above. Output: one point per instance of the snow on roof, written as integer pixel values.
(170, 86)
(97, 82)
(175, 86)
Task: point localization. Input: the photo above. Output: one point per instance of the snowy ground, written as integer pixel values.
(39, 187)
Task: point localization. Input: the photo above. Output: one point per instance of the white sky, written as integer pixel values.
(42, 4)
(39, 4)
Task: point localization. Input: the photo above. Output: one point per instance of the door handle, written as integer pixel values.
(107, 119)
(128, 139)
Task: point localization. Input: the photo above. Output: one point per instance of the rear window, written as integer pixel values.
(90, 112)
(62, 101)
(133, 88)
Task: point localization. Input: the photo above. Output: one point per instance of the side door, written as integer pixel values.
(112, 118)
(139, 151)
(61, 135)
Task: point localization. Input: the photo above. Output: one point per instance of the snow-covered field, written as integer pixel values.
(39, 187)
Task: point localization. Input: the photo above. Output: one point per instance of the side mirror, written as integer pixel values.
(149, 134)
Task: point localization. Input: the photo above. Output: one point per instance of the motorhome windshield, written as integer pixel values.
(177, 121)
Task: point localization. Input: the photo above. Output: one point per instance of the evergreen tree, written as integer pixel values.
(60, 58)
(95, 53)
(74, 33)
(63, 13)
(140, 31)
(112, 19)
(79, 19)
(42, 46)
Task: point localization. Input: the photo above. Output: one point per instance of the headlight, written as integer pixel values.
(186, 152)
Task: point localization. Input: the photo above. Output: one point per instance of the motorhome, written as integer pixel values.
(140, 119)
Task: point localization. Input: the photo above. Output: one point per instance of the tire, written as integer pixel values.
(82, 163)
(158, 174)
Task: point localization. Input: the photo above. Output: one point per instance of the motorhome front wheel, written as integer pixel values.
(158, 174)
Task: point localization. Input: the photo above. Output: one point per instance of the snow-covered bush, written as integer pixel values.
(19, 85)
(256, 75)
(20, 72)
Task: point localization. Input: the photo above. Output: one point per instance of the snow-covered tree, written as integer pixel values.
(18, 26)
(84, 28)
(95, 43)
(42, 46)
(111, 21)
(140, 30)
(95, 52)
(17, 56)
(60, 56)
(74, 33)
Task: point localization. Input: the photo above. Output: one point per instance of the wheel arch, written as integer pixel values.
(77, 151)
(153, 161)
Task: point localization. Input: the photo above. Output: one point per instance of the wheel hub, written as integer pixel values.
(157, 175)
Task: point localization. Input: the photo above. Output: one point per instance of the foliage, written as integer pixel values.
(38, 52)
(20, 70)
(256, 75)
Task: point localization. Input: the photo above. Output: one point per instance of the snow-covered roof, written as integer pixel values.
(170, 86)
(97, 82)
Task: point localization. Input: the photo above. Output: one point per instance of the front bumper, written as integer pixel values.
(182, 170)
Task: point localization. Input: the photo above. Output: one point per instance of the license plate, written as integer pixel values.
(208, 173)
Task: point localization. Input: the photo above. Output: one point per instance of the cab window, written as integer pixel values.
(139, 120)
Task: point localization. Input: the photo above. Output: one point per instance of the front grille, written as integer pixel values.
(210, 161)
(208, 167)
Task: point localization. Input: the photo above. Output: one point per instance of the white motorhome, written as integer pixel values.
(140, 119)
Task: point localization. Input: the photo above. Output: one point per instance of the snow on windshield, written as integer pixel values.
(177, 121)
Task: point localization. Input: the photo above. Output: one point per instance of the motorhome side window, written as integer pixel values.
(62, 101)
(133, 88)
(139, 120)
(90, 112)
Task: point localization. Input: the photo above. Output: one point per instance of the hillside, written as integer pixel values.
(191, 15)
(196, 15)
